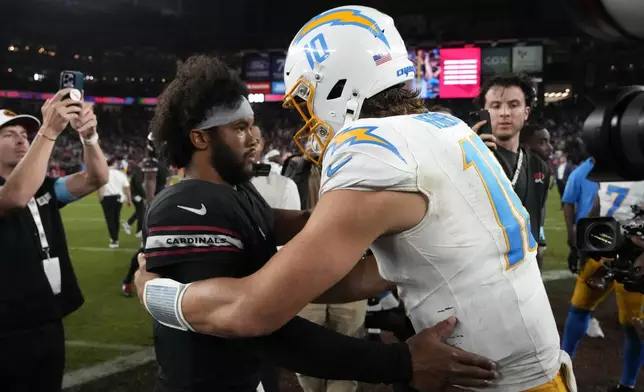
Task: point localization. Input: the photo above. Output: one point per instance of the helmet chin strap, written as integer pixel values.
(351, 112)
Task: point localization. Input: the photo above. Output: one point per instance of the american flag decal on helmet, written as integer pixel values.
(381, 58)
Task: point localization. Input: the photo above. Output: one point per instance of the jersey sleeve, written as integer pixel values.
(57, 189)
(572, 191)
(369, 157)
(180, 232)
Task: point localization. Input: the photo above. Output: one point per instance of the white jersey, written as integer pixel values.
(472, 256)
(616, 198)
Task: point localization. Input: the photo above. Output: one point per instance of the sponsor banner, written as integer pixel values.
(527, 59)
(496, 60)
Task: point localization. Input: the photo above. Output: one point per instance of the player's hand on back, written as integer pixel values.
(438, 366)
(488, 139)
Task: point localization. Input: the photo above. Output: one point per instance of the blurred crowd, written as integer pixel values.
(123, 129)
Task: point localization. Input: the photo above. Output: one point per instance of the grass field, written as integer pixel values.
(109, 325)
(106, 318)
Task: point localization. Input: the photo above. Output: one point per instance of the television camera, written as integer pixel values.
(613, 135)
(607, 239)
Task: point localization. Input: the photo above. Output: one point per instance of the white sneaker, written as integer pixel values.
(114, 244)
(127, 228)
(138, 234)
(594, 330)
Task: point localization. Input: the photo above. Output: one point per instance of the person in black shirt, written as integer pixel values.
(536, 138)
(154, 178)
(509, 99)
(138, 199)
(156, 173)
(37, 282)
(215, 224)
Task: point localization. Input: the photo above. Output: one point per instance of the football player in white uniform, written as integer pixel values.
(614, 199)
(420, 189)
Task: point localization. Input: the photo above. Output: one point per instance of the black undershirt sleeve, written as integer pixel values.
(310, 349)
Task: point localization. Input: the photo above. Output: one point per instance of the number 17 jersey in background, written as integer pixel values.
(616, 198)
(472, 256)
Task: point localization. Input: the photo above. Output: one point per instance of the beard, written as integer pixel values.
(230, 167)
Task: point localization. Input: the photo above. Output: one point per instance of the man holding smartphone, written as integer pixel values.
(38, 286)
(508, 99)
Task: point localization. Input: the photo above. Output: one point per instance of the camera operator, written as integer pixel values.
(638, 274)
(614, 199)
(37, 280)
(578, 197)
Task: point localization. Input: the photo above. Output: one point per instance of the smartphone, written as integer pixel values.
(71, 79)
(481, 115)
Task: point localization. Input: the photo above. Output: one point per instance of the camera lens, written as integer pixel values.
(614, 135)
(608, 20)
(601, 236)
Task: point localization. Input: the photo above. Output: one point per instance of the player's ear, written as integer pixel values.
(200, 139)
(527, 112)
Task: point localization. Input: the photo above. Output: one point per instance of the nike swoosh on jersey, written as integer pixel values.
(202, 211)
(331, 170)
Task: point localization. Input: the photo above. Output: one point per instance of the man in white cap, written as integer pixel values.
(37, 283)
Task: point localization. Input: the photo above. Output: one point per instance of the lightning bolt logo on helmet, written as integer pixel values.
(336, 61)
(343, 16)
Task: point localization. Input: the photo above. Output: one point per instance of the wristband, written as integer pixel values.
(162, 299)
(51, 139)
(91, 141)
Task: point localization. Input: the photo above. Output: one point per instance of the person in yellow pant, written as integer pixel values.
(613, 199)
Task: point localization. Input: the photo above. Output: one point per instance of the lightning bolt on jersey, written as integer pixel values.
(616, 198)
(472, 256)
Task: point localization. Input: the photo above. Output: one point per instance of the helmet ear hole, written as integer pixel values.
(336, 91)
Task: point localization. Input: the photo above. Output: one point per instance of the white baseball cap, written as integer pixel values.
(271, 154)
(7, 117)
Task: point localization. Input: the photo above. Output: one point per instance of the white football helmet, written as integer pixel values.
(336, 61)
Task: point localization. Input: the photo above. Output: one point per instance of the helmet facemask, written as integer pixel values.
(315, 134)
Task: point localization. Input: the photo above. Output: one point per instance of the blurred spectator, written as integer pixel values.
(138, 199)
(111, 196)
(277, 190)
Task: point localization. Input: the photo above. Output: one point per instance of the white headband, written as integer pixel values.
(220, 115)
